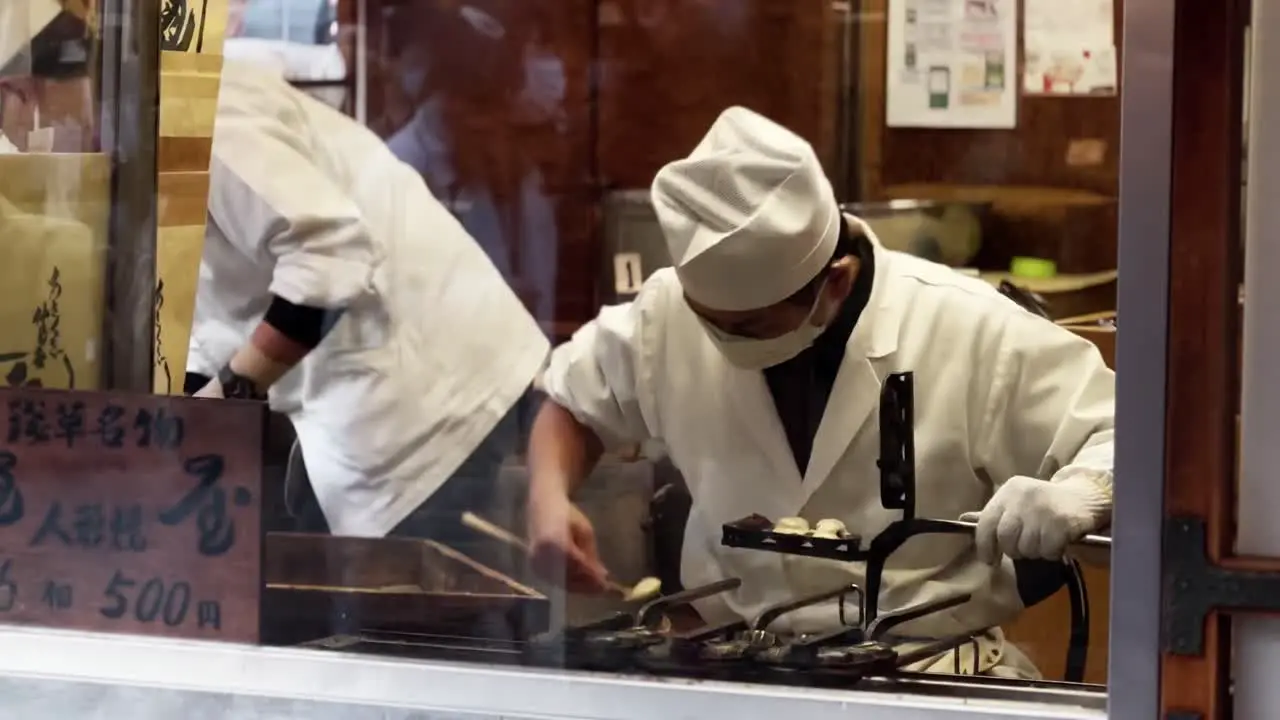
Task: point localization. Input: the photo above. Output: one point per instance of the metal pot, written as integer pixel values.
(943, 231)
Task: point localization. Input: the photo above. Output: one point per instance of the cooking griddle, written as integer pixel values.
(740, 650)
(839, 657)
(876, 674)
(612, 643)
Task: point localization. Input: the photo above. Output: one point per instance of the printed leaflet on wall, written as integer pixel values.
(951, 62)
(1069, 47)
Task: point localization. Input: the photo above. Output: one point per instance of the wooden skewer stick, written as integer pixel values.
(480, 525)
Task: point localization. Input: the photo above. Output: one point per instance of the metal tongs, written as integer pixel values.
(737, 641)
(614, 645)
(841, 646)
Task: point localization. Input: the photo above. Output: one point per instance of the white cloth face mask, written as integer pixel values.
(758, 354)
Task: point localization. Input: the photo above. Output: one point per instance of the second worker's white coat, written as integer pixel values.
(433, 348)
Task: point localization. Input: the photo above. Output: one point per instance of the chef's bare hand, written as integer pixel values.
(562, 546)
(212, 389)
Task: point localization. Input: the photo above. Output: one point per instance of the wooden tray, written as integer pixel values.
(318, 584)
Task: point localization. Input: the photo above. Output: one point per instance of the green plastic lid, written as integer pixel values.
(1031, 267)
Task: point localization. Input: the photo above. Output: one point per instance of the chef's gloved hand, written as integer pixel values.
(211, 389)
(1032, 518)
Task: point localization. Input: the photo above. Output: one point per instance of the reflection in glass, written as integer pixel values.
(482, 94)
(300, 39)
(480, 100)
(54, 192)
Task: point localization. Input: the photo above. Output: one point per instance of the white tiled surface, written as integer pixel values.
(62, 675)
(30, 699)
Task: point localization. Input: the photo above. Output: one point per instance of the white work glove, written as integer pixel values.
(1032, 518)
(212, 389)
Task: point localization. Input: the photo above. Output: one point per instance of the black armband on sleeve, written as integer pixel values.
(302, 324)
(194, 383)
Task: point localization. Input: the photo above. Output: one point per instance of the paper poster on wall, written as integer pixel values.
(951, 64)
(1069, 48)
(54, 213)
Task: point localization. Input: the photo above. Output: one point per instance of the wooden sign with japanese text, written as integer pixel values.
(131, 513)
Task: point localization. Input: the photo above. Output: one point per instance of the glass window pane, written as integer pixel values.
(56, 197)
(542, 128)
(755, 341)
(1254, 638)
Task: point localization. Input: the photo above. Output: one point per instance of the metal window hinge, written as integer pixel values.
(1193, 587)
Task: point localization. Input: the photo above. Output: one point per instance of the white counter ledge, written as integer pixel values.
(421, 689)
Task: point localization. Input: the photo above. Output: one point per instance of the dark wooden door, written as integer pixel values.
(1203, 371)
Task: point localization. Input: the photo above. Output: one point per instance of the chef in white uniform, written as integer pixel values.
(335, 283)
(758, 360)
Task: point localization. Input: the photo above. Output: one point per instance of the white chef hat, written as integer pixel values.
(749, 217)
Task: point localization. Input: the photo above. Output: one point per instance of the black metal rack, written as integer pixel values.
(898, 492)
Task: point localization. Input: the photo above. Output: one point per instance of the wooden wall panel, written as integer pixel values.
(479, 72)
(496, 132)
(1035, 153)
(1054, 194)
(668, 68)
(1043, 632)
(578, 261)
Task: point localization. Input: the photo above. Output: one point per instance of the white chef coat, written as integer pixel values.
(998, 392)
(433, 348)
